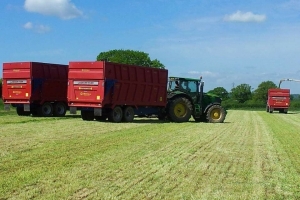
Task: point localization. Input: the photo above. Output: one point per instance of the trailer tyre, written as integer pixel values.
(116, 115)
(60, 109)
(180, 110)
(21, 112)
(87, 115)
(100, 118)
(128, 114)
(216, 114)
(46, 110)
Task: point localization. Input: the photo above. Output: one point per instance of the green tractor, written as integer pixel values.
(186, 98)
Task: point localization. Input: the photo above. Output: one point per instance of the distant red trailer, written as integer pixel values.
(278, 100)
(115, 91)
(35, 88)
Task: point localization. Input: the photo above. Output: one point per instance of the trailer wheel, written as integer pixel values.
(21, 112)
(87, 115)
(101, 118)
(116, 114)
(271, 110)
(60, 109)
(128, 114)
(216, 114)
(180, 110)
(46, 110)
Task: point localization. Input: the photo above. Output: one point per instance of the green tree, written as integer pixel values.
(261, 93)
(220, 91)
(241, 93)
(130, 57)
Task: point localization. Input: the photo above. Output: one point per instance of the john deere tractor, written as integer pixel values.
(186, 98)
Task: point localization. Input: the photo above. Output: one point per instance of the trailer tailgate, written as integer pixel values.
(16, 82)
(86, 84)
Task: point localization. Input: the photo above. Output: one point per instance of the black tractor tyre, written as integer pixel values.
(87, 115)
(21, 112)
(116, 115)
(60, 109)
(215, 114)
(267, 108)
(128, 114)
(180, 110)
(46, 110)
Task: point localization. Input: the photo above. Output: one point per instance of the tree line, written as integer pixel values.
(242, 96)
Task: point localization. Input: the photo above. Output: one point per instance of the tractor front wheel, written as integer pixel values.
(216, 114)
(180, 110)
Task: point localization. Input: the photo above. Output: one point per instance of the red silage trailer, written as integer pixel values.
(35, 88)
(278, 100)
(118, 92)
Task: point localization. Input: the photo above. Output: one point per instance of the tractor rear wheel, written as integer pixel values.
(128, 114)
(116, 114)
(216, 114)
(267, 108)
(180, 110)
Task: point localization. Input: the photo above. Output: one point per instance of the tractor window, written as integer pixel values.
(172, 85)
(192, 86)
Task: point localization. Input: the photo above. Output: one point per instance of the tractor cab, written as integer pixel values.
(186, 85)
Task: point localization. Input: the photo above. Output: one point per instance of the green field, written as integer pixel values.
(253, 155)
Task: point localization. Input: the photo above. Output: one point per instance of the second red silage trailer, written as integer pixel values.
(118, 92)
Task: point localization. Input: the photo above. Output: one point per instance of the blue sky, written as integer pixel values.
(228, 42)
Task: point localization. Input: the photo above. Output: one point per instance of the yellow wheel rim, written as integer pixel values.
(215, 113)
(179, 110)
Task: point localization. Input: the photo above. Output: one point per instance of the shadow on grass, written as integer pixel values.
(289, 113)
(156, 121)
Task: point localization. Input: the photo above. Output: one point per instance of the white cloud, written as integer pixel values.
(42, 29)
(28, 25)
(63, 9)
(245, 17)
(37, 28)
(203, 73)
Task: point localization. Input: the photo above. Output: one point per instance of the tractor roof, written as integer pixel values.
(184, 79)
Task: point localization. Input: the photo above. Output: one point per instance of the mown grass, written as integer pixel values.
(253, 155)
